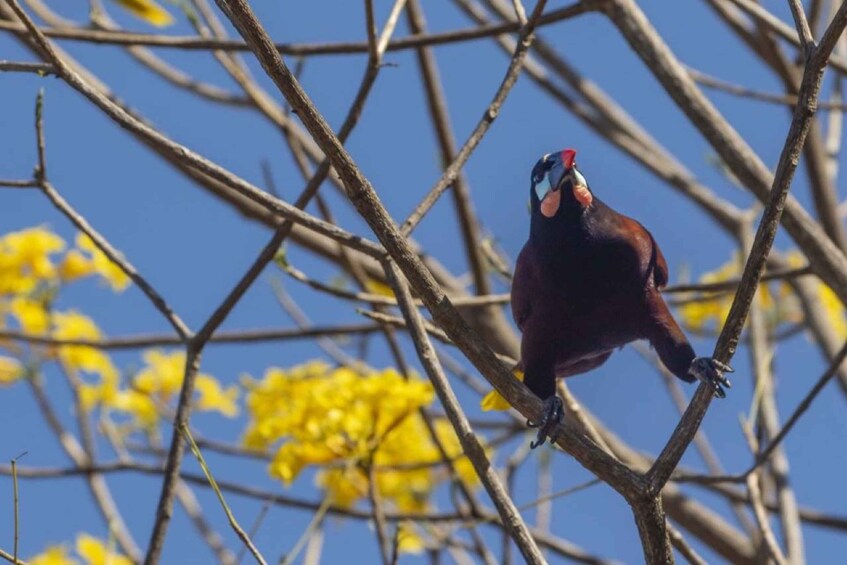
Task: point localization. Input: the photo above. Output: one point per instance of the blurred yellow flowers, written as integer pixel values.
(10, 370)
(350, 424)
(147, 10)
(96, 262)
(32, 273)
(28, 262)
(91, 550)
(155, 386)
(72, 325)
(25, 259)
(777, 299)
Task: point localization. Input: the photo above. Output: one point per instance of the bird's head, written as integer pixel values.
(557, 185)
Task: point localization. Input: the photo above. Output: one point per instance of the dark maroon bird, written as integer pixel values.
(587, 282)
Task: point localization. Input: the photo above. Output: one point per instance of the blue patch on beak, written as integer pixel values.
(552, 177)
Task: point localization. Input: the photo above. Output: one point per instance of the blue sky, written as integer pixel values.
(193, 248)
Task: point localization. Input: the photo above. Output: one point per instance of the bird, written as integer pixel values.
(587, 282)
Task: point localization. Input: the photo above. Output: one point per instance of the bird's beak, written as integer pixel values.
(547, 189)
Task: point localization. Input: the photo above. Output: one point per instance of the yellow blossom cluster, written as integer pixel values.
(89, 549)
(88, 259)
(776, 299)
(156, 385)
(348, 424)
(26, 259)
(33, 268)
(29, 260)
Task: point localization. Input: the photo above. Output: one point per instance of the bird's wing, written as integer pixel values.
(523, 284)
(649, 249)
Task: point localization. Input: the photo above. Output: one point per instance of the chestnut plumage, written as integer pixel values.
(587, 282)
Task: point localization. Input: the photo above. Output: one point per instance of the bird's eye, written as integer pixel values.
(579, 178)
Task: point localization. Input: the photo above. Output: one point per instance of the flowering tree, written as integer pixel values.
(366, 426)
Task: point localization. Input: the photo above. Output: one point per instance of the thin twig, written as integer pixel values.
(311, 528)
(19, 67)
(378, 513)
(15, 506)
(11, 558)
(254, 529)
(9, 183)
(754, 488)
(242, 535)
(683, 547)
(807, 42)
(224, 337)
(710, 81)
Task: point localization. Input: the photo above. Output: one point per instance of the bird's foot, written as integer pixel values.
(711, 372)
(551, 415)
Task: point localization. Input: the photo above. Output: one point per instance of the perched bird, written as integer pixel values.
(587, 282)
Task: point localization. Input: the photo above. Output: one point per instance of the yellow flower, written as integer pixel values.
(376, 287)
(215, 397)
(161, 379)
(102, 265)
(95, 552)
(139, 405)
(25, 259)
(450, 441)
(10, 370)
(409, 541)
(347, 422)
(73, 325)
(776, 299)
(53, 555)
(105, 393)
(31, 314)
(834, 309)
(494, 401)
(148, 11)
(163, 374)
(290, 459)
(75, 265)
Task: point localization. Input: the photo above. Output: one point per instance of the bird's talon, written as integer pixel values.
(711, 372)
(551, 416)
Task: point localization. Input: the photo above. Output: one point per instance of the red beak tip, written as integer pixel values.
(568, 156)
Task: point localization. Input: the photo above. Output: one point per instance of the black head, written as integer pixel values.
(557, 187)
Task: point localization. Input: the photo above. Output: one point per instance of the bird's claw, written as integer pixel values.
(711, 372)
(551, 415)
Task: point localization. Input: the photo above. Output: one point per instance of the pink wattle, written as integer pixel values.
(582, 195)
(550, 204)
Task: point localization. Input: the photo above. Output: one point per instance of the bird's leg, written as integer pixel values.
(711, 372)
(551, 416)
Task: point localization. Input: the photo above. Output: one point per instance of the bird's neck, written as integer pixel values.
(570, 225)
